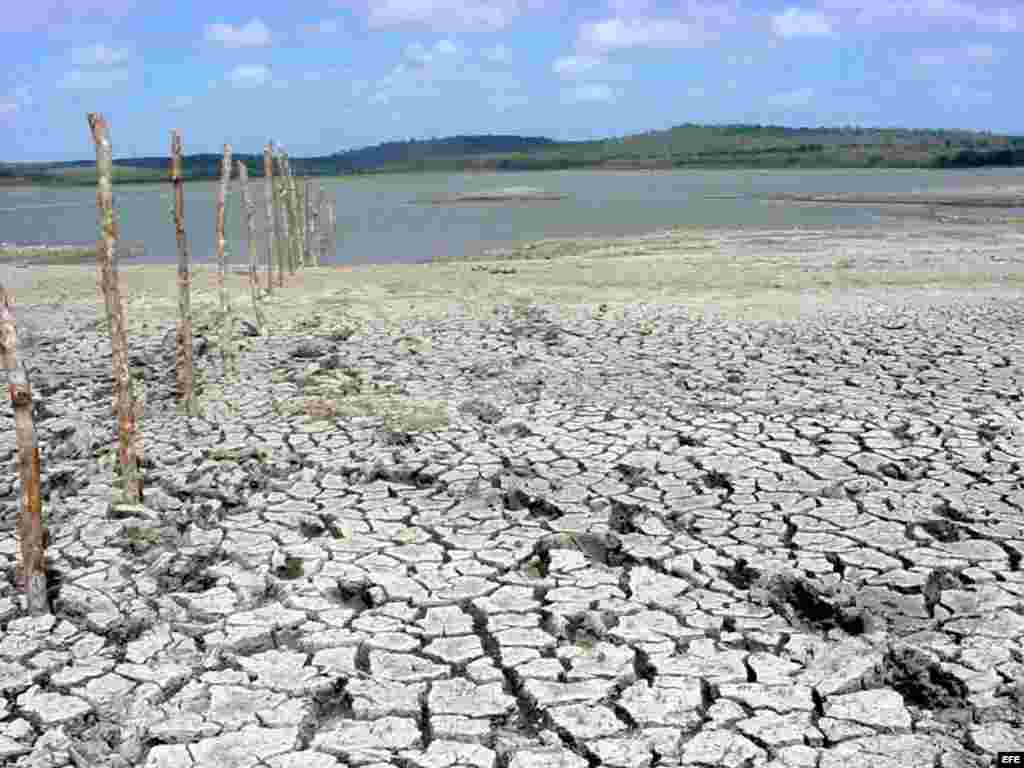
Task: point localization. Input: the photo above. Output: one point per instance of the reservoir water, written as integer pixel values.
(390, 218)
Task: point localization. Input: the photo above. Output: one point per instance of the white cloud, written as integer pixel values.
(100, 55)
(592, 92)
(968, 55)
(496, 55)
(8, 107)
(958, 97)
(417, 56)
(249, 75)
(914, 15)
(794, 22)
(642, 33)
(463, 14)
(574, 66)
(800, 97)
(325, 27)
(255, 34)
(93, 79)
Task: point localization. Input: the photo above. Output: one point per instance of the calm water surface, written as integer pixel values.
(388, 219)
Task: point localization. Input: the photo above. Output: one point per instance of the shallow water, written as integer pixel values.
(389, 218)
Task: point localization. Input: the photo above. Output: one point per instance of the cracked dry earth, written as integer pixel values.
(651, 541)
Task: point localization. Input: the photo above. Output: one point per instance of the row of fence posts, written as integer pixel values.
(300, 231)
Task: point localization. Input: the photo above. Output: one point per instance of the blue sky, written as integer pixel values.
(319, 76)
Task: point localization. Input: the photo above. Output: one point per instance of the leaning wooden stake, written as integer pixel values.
(31, 529)
(308, 250)
(316, 224)
(271, 231)
(324, 225)
(185, 369)
(249, 211)
(226, 351)
(294, 231)
(279, 232)
(283, 208)
(300, 218)
(124, 405)
(332, 228)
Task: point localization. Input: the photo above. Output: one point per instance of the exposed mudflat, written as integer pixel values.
(706, 498)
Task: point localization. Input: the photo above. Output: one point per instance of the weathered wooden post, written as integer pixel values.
(128, 449)
(317, 225)
(300, 217)
(324, 224)
(226, 353)
(332, 227)
(30, 527)
(279, 231)
(271, 231)
(307, 255)
(249, 211)
(284, 206)
(294, 219)
(185, 369)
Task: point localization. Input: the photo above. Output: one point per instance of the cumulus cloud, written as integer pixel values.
(913, 15)
(255, 34)
(497, 54)
(49, 15)
(799, 97)
(968, 55)
(616, 33)
(574, 66)
(418, 56)
(462, 14)
(100, 55)
(326, 27)
(592, 92)
(249, 75)
(93, 79)
(794, 22)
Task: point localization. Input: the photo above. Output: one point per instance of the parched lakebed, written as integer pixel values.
(697, 498)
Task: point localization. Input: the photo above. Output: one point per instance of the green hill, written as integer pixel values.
(684, 146)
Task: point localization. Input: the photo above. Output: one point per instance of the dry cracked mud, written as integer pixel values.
(633, 541)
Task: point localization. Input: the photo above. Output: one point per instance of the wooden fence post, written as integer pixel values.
(185, 369)
(321, 201)
(226, 355)
(281, 203)
(278, 226)
(31, 530)
(271, 231)
(317, 229)
(294, 225)
(300, 218)
(310, 225)
(249, 211)
(128, 448)
(332, 227)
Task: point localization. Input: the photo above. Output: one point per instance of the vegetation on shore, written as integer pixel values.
(684, 146)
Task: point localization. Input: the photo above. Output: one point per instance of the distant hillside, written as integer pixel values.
(414, 153)
(684, 146)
